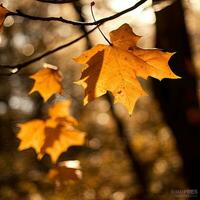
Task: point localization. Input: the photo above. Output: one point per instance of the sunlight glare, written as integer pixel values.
(143, 14)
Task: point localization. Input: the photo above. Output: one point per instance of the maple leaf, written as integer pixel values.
(47, 81)
(53, 135)
(64, 172)
(3, 13)
(31, 135)
(116, 68)
(59, 137)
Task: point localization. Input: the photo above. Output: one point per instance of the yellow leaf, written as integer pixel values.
(32, 135)
(47, 81)
(52, 136)
(59, 137)
(116, 68)
(3, 13)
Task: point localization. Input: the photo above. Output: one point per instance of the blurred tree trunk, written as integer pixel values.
(178, 98)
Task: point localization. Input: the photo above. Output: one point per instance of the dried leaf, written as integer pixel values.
(116, 68)
(47, 81)
(52, 136)
(64, 172)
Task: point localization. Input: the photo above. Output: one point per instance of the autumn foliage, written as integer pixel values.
(53, 135)
(120, 64)
(114, 67)
(47, 81)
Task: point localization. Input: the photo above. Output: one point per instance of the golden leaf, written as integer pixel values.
(3, 13)
(47, 81)
(59, 137)
(32, 135)
(52, 136)
(116, 68)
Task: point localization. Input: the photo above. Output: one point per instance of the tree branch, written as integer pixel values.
(22, 65)
(57, 1)
(60, 19)
(15, 68)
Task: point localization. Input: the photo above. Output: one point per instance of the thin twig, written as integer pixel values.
(57, 1)
(60, 19)
(22, 65)
(91, 8)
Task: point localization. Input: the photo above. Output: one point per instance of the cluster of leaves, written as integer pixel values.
(114, 68)
(53, 135)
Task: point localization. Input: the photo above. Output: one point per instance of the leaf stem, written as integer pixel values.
(60, 19)
(91, 8)
(47, 53)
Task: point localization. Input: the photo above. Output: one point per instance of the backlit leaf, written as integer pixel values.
(32, 135)
(116, 68)
(53, 135)
(47, 81)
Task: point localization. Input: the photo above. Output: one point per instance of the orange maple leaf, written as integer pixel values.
(116, 68)
(47, 81)
(31, 135)
(3, 13)
(53, 135)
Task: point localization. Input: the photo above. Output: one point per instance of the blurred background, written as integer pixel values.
(163, 132)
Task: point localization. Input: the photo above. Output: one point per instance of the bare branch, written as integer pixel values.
(60, 19)
(57, 1)
(19, 66)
